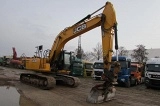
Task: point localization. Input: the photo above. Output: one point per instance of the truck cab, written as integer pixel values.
(98, 68)
(87, 69)
(152, 73)
(124, 76)
(76, 68)
(136, 73)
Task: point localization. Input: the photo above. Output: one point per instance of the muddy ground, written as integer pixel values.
(65, 96)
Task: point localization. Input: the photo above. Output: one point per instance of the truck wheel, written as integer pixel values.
(147, 86)
(140, 81)
(136, 82)
(128, 83)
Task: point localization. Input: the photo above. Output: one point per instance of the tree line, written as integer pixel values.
(139, 54)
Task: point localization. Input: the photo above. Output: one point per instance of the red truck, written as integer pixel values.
(136, 73)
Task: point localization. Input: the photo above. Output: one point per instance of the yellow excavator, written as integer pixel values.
(56, 59)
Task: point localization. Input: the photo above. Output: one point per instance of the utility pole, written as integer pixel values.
(79, 51)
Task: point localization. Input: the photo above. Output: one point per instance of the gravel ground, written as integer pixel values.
(65, 96)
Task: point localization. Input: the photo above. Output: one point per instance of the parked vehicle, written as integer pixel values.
(128, 75)
(81, 68)
(152, 73)
(1, 61)
(87, 69)
(76, 68)
(136, 73)
(98, 68)
(5, 60)
(124, 76)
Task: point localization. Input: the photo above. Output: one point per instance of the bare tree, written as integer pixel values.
(97, 52)
(122, 51)
(88, 56)
(91, 56)
(140, 53)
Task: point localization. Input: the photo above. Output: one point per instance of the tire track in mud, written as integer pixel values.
(62, 95)
(133, 96)
(80, 93)
(139, 95)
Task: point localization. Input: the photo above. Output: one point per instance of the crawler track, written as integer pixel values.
(48, 81)
(67, 80)
(40, 81)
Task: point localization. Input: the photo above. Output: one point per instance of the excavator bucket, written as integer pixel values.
(100, 96)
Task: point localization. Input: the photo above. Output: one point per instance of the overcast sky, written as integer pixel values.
(25, 24)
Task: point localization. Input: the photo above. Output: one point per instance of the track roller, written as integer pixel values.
(67, 80)
(40, 81)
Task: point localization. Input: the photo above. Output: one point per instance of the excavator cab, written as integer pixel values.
(63, 63)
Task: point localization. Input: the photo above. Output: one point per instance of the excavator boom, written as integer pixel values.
(56, 59)
(107, 21)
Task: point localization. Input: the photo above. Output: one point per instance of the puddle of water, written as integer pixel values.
(9, 96)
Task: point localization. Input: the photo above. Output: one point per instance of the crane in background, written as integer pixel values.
(79, 51)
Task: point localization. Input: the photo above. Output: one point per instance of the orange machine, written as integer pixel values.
(136, 72)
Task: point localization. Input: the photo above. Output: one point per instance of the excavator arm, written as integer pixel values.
(55, 60)
(107, 21)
